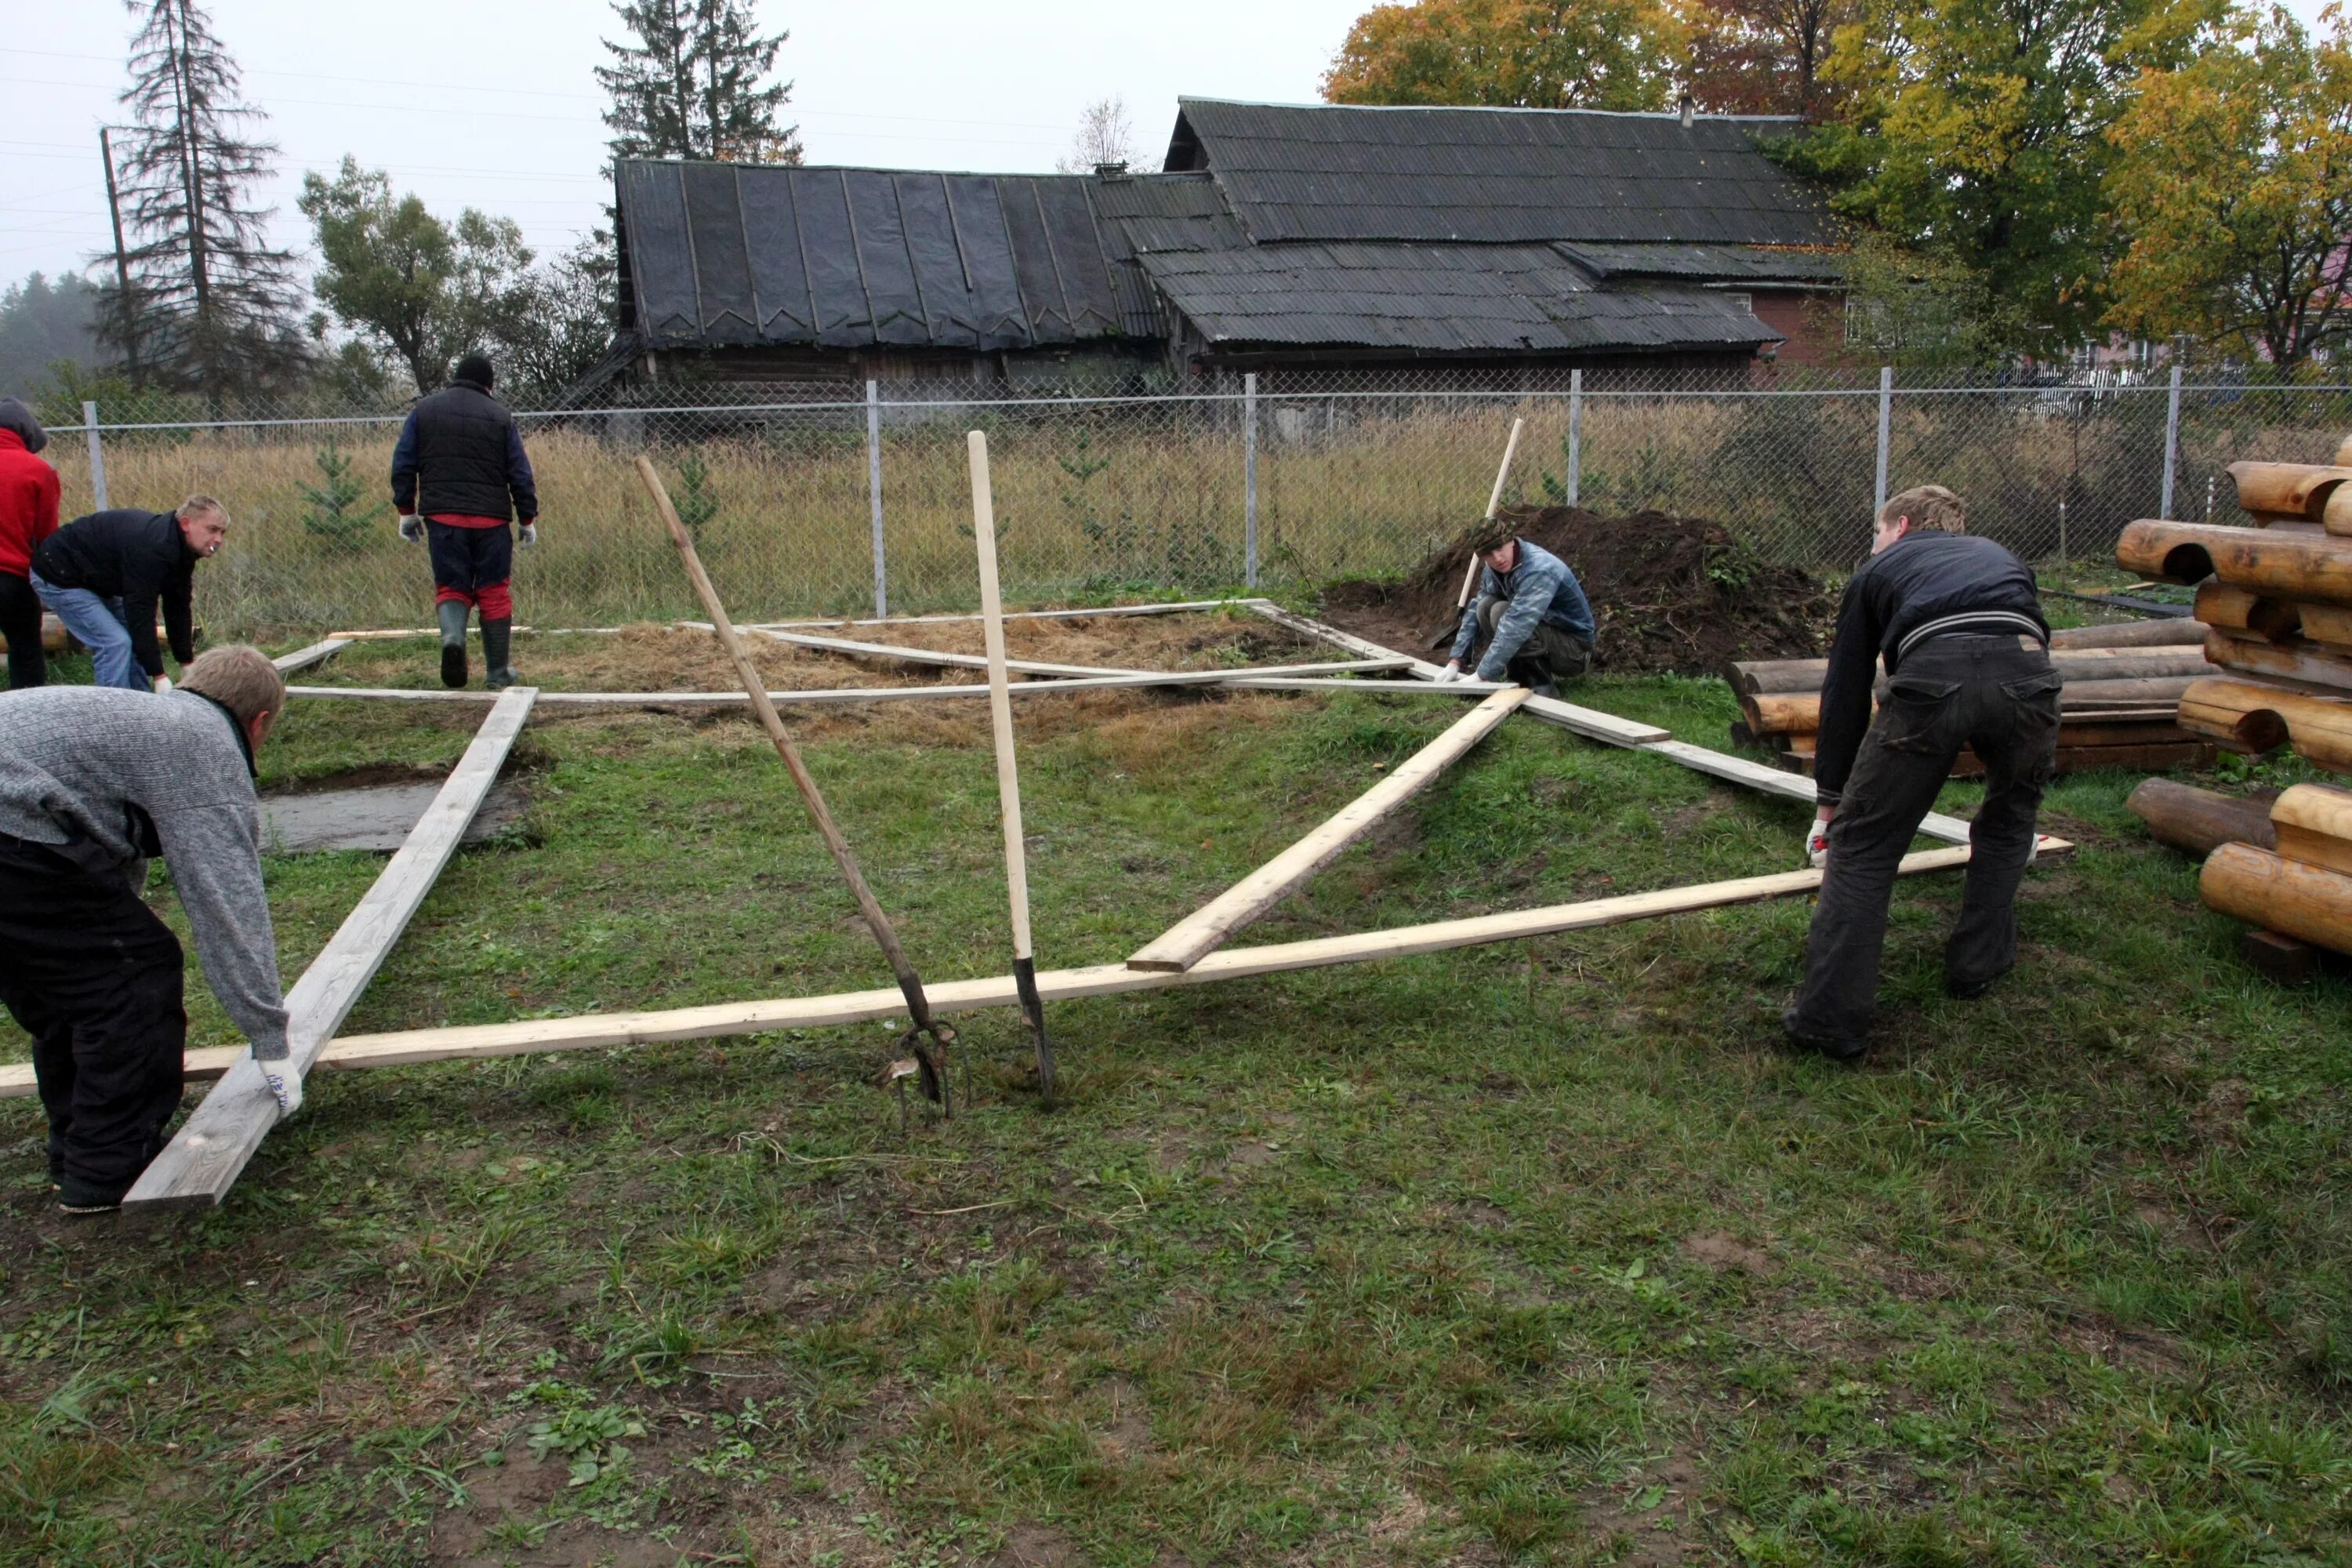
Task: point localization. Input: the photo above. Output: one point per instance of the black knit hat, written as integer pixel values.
(475, 368)
(1491, 536)
(15, 415)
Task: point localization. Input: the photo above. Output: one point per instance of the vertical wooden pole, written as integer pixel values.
(1008, 773)
(124, 305)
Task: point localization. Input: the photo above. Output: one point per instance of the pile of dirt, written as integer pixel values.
(1668, 593)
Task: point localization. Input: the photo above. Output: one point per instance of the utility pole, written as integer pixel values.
(122, 260)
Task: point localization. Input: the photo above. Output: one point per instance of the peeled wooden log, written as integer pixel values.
(2256, 615)
(1793, 713)
(2336, 515)
(2247, 716)
(2079, 666)
(2288, 566)
(53, 634)
(2314, 824)
(2329, 624)
(2293, 490)
(2297, 661)
(2167, 631)
(2071, 758)
(2263, 887)
(2200, 820)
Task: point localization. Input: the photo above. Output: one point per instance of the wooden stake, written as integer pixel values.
(885, 935)
(1008, 773)
(1193, 939)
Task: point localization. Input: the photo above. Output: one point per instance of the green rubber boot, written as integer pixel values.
(453, 614)
(497, 673)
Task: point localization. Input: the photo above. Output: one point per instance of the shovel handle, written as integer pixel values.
(1493, 505)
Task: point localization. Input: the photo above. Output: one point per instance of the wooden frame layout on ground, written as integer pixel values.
(218, 1139)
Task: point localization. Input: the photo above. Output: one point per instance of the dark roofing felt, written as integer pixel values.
(725, 254)
(1329, 172)
(1493, 299)
(1717, 263)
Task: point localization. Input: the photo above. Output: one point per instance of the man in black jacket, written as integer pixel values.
(106, 574)
(1958, 621)
(459, 476)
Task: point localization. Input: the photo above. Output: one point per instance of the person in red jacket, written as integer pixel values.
(28, 514)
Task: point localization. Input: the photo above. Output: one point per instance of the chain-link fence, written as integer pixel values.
(1234, 480)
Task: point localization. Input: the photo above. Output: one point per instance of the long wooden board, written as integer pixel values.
(1204, 930)
(304, 658)
(856, 649)
(597, 1030)
(199, 1166)
(1185, 607)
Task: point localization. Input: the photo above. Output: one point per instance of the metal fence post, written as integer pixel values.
(1249, 479)
(874, 489)
(96, 456)
(2171, 443)
(1885, 426)
(1575, 434)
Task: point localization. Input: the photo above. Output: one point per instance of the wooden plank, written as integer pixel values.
(929, 655)
(601, 1030)
(199, 1166)
(1590, 722)
(1186, 607)
(304, 658)
(1202, 932)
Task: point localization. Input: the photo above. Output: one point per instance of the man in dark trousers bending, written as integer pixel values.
(1967, 662)
(93, 781)
(107, 574)
(1532, 624)
(459, 477)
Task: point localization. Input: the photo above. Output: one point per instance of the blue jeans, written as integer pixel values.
(101, 627)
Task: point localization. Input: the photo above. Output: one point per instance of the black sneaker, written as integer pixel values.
(74, 1208)
(1836, 1050)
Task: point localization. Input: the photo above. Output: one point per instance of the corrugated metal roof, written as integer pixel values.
(1721, 263)
(732, 254)
(1332, 172)
(1437, 299)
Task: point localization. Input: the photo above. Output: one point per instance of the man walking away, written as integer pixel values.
(1949, 613)
(1533, 623)
(106, 574)
(459, 477)
(28, 514)
(93, 782)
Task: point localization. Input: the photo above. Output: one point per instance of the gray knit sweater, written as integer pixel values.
(82, 762)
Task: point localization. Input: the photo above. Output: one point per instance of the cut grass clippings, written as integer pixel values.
(1542, 1252)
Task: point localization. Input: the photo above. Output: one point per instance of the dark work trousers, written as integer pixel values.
(20, 623)
(1549, 654)
(1984, 693)
(95, 978)
(472, 565)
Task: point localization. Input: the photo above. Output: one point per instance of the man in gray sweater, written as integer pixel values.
(93, 781)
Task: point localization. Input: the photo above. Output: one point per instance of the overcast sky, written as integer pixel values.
(491, 103)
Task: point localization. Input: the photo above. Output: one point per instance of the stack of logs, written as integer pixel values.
(2281, 861)
(2119, 708)
(2276, 601)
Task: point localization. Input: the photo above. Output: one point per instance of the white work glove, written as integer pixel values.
(1817, 844)
(1453, 671)
(163, 684)
(285, 1086)
(412, 528)
(527, 535)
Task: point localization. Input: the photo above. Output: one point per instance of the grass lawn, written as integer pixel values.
(1543, 1252)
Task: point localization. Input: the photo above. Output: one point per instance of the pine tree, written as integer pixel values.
(211, 304)
(687, 84)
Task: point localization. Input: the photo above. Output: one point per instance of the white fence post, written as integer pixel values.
(1886, 424)
(1249, 479)
(96, 456)
(1575, 434)
(874, 488)
(2171, 443)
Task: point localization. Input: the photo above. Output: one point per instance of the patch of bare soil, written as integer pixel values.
(1038, 1546)
(651, 658)
(1668, 593)
(1720, 1251)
